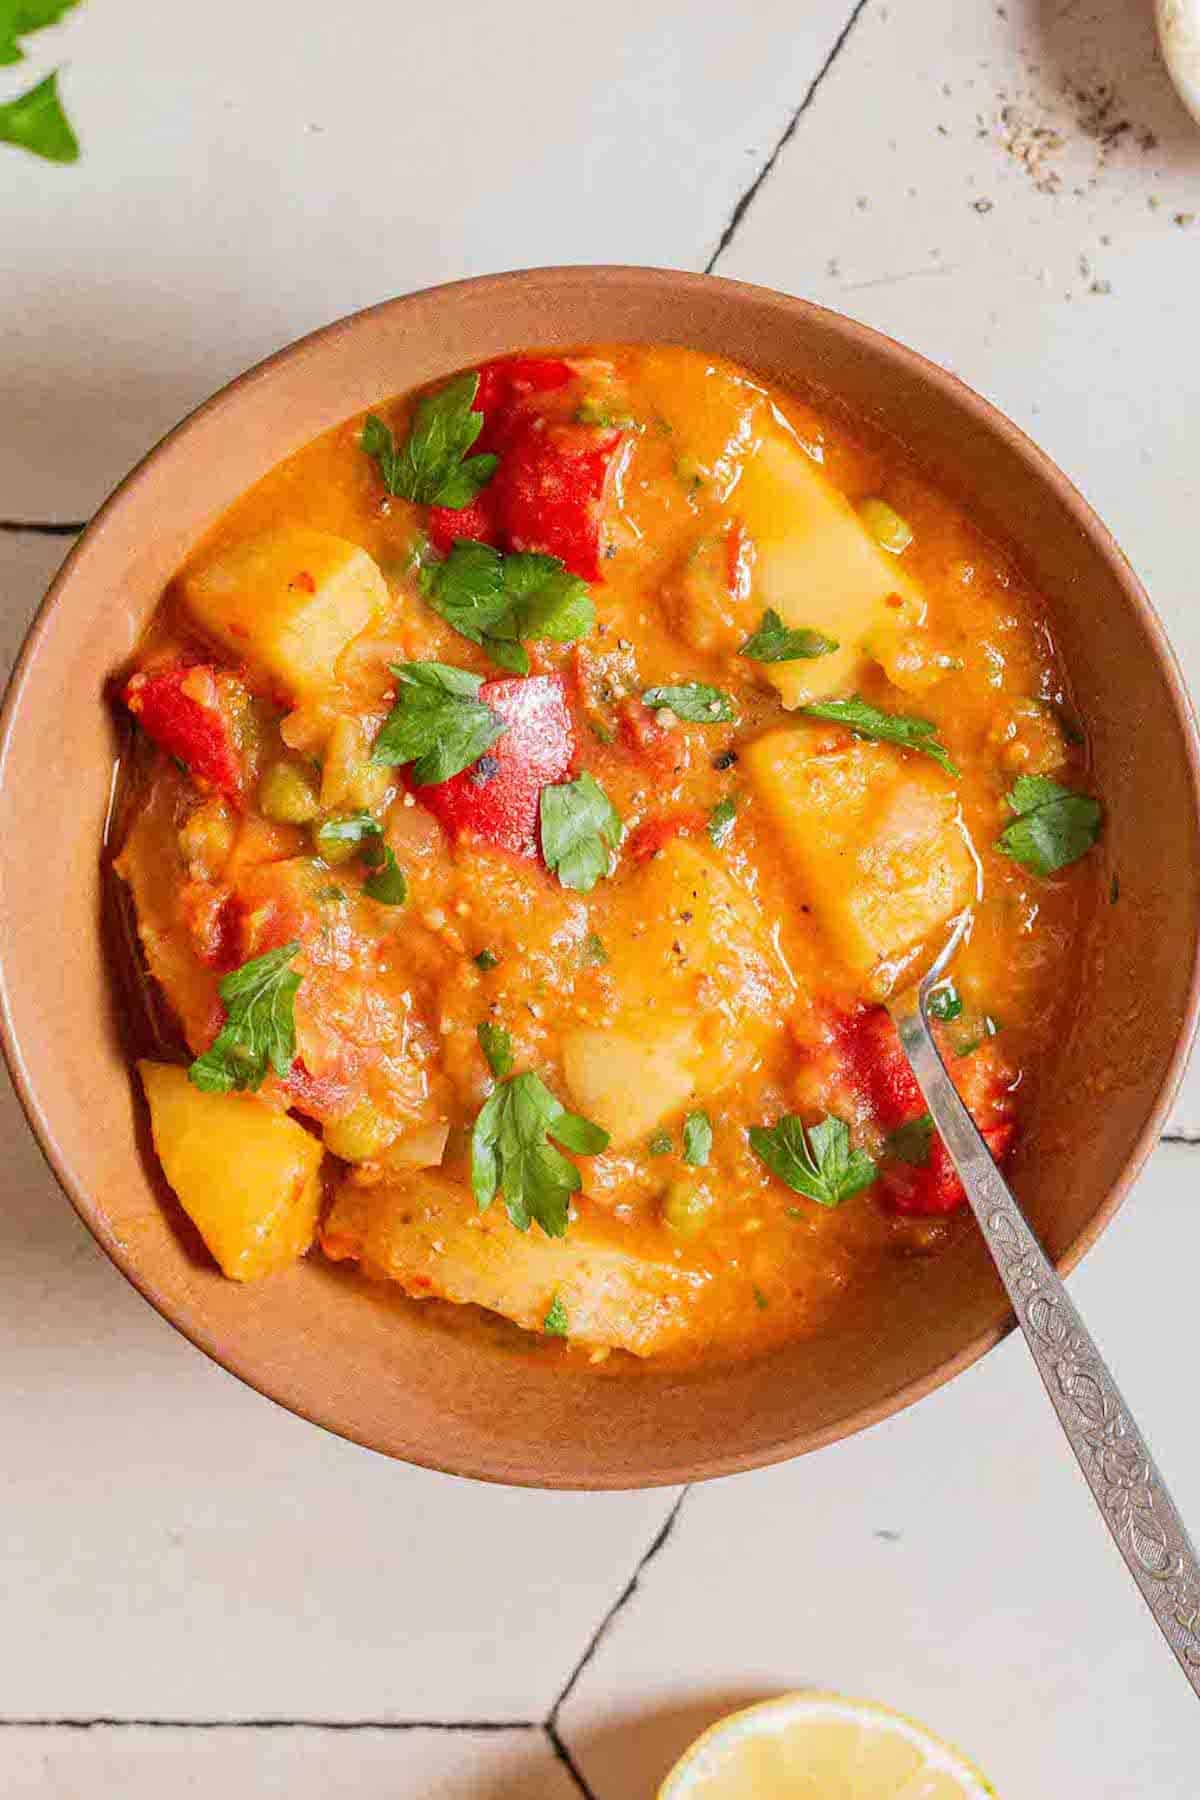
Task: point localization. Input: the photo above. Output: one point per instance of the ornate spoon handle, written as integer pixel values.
(1119, 1469)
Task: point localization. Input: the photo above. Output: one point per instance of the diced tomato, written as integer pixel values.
(317, 1096)
(648, 838)
(210, 913)
(185, 711)
(505, 389)
(496, 801)
(275, 904)
(549, 491)
(477, 521)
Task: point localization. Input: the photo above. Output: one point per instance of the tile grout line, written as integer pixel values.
(44, 527)
(104, 1723)
(748, 198)
(567, 1760)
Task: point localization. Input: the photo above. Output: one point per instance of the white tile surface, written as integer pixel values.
(139, 1763)
(948, 1562)
(247, 176)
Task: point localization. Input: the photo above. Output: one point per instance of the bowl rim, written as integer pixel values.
(955, 392)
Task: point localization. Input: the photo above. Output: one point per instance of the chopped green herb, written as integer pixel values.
(912, 1141)
(816, 1161)
(496, 600)
(592, 953)
(331, 895)
(1054, 826)
(945, 1003)
(496, 1045)
(580, 827)
(591, 411)
(776, 642)
(260, 1025)
(338, 838)
(760, 1299)
(721, 822)
(659, 1143)
(387, 883)
(511, 1153)
(21, 18)
(486, 960)
(35, 121)
(695, 701)
(697, 1139)
(867, 721)
(438, 722)
(429, 467)
(556, 1323)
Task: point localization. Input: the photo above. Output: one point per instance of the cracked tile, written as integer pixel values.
(949, 1563)
(290, 1763)
(243, 182)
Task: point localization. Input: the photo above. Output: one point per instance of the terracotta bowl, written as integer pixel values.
(386, 1372)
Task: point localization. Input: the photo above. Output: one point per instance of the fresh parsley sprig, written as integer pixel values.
(721, 821)
(580, 828)
(912, 1141)
(814, 1160)
(496, 1045)
(697, 1139)
(438, 723)
(867, 721)
(387, 883)
(556, 1323)
(511, 1153)
(432, 467)
(259, 1028)
(1054, 825)
(694, 701)
(776, 642)
(496, 600)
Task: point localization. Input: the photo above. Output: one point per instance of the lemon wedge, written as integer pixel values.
(821, 1747)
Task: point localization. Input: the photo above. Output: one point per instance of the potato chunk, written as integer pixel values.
(875, 840)
(695, 990)
(818, 566)
(424, 1231)
(288, 601)
(245, 1174)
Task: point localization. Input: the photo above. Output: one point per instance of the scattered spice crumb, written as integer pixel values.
(1100, 287)
(982, 206)
(1184, 219)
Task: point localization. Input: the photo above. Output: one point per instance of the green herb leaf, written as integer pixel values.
(259, 1028)
(428, 467)
(817, 1162)
(387, 884)
(21, 18)
(496, 600)
(887, 728)
(760, 1299)
(438, 723)
(35, 121)
(511, 1154)
(911, 1142)
(496, 1045)
(556, 1323)
(1054, 826)
(945, 1003)
(695, 701)
(580, 826)
(467, 589)
(345, 828)
(721, 822)
(487, 959)
(659, 1143)
(592, 953)
(697, 1139)
(776, 642)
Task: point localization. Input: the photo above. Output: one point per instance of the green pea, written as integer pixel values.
(886, 526)
(287, 793)
(687, 1206)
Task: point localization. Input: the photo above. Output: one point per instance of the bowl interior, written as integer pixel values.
(388, 1373)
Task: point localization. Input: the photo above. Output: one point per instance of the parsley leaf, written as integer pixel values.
(511, 1153)
(693, 700)
(945, 1003)
(35, 121)
(260, 1025)
(1054, 826)
(334, 834)
(721, 822)
(580, 826)
(496, 1045)
(387, 883)
(911, 1141)
(659, 1143)
(486, 960)
(697, 1139)
(438, 722)
(816, 1161)
(592, 953)
(556, 1323)
(887, 728)
(776, 642)
(429, 467)
(21, 18)
(496, 600)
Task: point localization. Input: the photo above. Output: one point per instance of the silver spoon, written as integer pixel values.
(1112, 1453)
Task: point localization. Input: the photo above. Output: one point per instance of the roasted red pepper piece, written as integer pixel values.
(883, 1075)
(549, 491)
(184, 710)
(648, 838)
(476, 521)
(496, 801)
(662, 748)
(505, 390)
